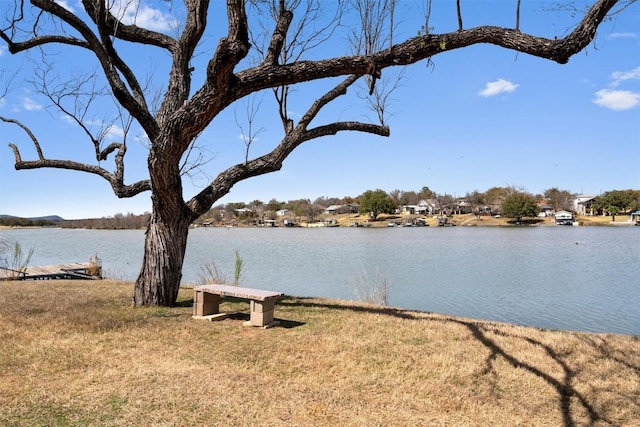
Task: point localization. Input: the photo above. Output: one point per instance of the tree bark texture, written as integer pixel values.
(166, 236)
(164, 248)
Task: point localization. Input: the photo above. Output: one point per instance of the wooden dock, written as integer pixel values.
(77, 270)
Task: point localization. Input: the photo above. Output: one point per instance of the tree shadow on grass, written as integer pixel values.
(482, 331)
(184, 303)
(564, 388)
(601, 345)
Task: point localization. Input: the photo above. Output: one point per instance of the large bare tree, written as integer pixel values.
(173, 121)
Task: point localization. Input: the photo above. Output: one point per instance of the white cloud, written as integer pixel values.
(136, 13)
(617, 100)
(247, 138)
(64, 4)
(30, 105)
(65, 118)
(114, 132)
(497, 87)
(620, 76)
(623, 36)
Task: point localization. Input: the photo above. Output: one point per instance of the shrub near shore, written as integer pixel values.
(77, 353)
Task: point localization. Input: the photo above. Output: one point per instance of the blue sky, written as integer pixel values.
(479, 117)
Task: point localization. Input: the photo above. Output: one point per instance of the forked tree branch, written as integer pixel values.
(116, 179)
(422, 47)
(278, 37)
(132, 33)
(33, 138)
(273, 160)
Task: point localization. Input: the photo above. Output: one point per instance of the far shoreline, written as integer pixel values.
(384, 221)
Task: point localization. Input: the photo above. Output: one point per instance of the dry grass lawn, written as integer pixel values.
(77, 353)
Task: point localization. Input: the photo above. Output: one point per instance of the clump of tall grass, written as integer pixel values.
(4, 249)
(211, 273)
(13, 259)
(239, 266)
(372, 290)
(95, 267)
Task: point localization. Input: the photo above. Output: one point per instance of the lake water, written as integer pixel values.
(573, 278)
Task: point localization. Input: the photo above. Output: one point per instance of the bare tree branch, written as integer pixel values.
(231, 49)
(291, 40)
(111, 64)
(252, 106)
(370, 37)
(273, 161)
(114, 26)
(33, 138)
(115, 179)
(279, 36)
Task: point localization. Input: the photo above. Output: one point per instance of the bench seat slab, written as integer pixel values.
(239, 292)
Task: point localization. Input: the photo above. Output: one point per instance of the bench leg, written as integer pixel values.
(205, 303)
(262, 312)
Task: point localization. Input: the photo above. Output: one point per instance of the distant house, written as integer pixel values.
(484, 210)
(427, 207)
(242, 211)
(408, 209)
(342, 209)
(545, 208)
(463, 207)
(564, 218)
(333, 209)
(282, 212)
(424, 207)
(458, 207)
(583, 204)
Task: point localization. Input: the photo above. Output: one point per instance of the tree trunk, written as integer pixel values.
(165, 245)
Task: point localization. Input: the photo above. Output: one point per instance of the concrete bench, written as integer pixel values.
(206, 303)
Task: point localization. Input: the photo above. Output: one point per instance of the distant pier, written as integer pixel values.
(77, 270)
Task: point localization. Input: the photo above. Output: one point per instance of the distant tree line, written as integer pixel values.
(512, 202)
(13, 221)
(117, 222)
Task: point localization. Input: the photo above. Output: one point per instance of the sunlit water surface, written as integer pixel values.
(574, 278)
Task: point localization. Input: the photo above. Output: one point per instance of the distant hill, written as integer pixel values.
(40, 220)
